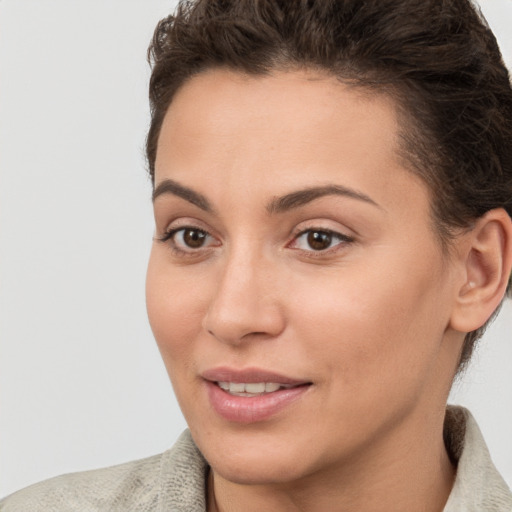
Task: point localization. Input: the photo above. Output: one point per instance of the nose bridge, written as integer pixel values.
(244, 301)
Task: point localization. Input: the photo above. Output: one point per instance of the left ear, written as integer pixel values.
(487, 259)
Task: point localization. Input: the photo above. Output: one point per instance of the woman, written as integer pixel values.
(332, 185)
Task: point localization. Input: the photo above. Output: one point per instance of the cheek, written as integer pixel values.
(379, 326)
(175, 304)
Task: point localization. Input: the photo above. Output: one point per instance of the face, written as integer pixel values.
(296, 288)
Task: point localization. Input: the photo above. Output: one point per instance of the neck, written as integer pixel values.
(401, 474)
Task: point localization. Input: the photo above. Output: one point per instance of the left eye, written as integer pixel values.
(193, 238)
(189, 238)
(319, 240)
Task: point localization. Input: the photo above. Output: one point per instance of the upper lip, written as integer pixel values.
(248, 375)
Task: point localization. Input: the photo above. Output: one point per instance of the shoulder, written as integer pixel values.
(129, 486)
(478, 486)
(140, 485)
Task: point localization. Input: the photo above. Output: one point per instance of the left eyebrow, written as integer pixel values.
(176, 189)
(304, 196)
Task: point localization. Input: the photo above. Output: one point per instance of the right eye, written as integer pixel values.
(320, 240)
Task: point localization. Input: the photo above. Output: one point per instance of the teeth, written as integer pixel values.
(255, 388)
(251, 388)
(236, 387)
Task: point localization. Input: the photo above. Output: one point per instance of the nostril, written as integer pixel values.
(257, 333)
(241, 319)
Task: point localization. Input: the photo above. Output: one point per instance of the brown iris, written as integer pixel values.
(194, 238)
(319, 240)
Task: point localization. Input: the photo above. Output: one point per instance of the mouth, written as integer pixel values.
(252, 389)
(252, 395)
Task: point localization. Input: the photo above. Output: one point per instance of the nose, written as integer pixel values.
(245, 304)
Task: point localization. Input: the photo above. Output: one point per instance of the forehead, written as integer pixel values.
(279, 132)
(285, 106)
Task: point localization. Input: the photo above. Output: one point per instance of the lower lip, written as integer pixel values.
(244, 409)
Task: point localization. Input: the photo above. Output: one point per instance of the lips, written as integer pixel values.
(249, 375)
(246, 396)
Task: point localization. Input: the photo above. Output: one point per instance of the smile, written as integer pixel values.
(251, 389)
(252, 395)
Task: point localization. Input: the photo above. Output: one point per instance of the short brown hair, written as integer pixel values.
(438, 59)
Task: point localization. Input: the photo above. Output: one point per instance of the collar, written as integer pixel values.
(478, 486)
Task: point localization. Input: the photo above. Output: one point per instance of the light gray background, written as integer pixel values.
(81, 381)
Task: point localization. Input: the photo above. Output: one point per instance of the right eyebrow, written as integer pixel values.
(174, 188)
(301, 197)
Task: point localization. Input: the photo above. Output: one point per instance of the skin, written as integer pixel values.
(369, 322)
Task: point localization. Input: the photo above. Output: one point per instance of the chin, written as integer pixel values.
(266, 471)
(256, 460)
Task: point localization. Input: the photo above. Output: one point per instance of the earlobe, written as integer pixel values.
(487, 263)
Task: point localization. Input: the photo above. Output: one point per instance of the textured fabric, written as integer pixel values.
(175, 480)
(171, 482)
(478, 486)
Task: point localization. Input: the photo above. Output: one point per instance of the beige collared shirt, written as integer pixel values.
(175, 480)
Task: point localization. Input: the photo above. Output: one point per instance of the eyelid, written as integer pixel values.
(174, 227)
(343, 238)
(325, 225)
(182, 222)
(168, 234)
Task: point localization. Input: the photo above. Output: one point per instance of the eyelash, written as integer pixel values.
(342, 239)
(168, 237)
